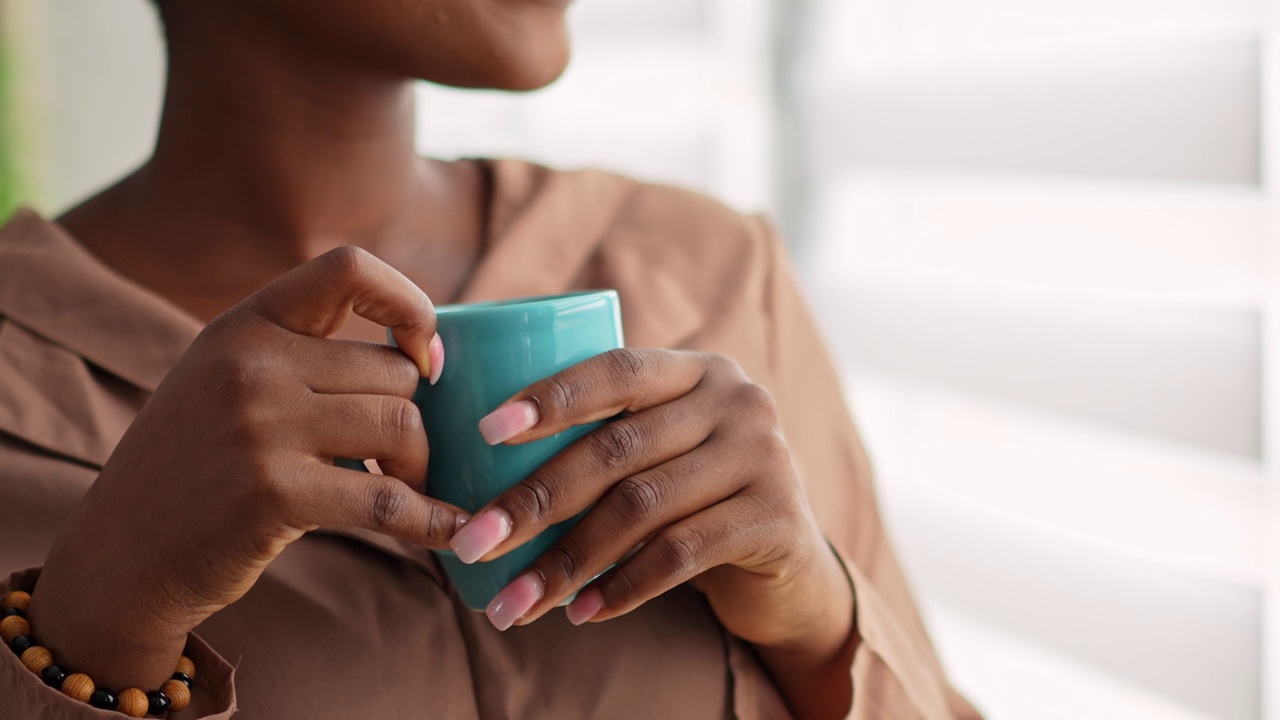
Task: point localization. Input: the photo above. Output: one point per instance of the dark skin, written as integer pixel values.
(282, 153)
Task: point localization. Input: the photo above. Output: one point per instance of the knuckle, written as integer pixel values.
(399, 372)
(782, 518)
(681, 552)
(773, 451)
(265, 545)
(271, 488)
(532, 499)
(774, 503)
(561, 397)
(753, 399)
(793, 536)
(564, 560)
(399, 419)
(388, 504)
(787, 533)
(638, 496)
(347, 262)
(617, 444)
(725, 366)
(242, 430)
(621, 590)
(226, 322)
(242, 375)
(627, 367)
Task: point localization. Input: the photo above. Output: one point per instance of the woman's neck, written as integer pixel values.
(280, 141)
(268, 155)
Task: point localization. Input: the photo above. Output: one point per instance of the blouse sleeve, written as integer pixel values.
(896, 672)
(23, 696)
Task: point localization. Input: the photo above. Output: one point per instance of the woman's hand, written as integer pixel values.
(694, 484)
(232, 459)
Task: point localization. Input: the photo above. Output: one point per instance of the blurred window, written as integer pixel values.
(1037, 233)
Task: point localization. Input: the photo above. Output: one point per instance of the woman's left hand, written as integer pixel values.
(697, 476)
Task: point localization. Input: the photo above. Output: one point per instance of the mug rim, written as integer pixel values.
(516, 305)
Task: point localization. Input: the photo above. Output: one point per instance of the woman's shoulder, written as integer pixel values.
(606, 217)
(683, 262)
(652, 213)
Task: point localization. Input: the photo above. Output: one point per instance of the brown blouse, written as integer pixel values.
(348, 624)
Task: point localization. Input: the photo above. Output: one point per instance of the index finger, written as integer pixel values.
(622, 380)
(350, 499)
(316, 297)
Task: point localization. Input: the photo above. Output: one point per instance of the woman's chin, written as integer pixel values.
(535, 78)
(516, 72)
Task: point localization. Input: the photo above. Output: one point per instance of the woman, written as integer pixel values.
(229, 283)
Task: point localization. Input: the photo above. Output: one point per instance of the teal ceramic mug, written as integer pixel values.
(492, 351)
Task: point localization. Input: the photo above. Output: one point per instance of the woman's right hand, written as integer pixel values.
(232, 459)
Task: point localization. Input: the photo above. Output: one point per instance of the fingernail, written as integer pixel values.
(509, 421)
(458, 521)
(481, 534)
(584, 607)
(435, 356)
(515, 600)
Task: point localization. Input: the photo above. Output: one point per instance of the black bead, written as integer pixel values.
(158, 702)
(20, 644)
(103, 699)
(182, 678)
(53, 676)
(10, 612)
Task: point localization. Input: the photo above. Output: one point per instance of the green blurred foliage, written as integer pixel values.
(11, 186)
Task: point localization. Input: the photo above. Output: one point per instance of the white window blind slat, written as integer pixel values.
(1183, 375)
(1051, 685)
(598, 18)
(1181, 244)
(854, 36)
(1185, 111)
(1195, 513)
(1195, 642)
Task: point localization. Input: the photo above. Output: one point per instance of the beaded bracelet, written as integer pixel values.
(16, 631)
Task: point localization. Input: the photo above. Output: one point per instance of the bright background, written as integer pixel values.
(1041, 235)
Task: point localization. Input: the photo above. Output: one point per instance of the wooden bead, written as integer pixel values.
(17, 599)
(13, 626)
(36, 659)
(186, 667)
(178, 693)
(78, 687)
(133, 702)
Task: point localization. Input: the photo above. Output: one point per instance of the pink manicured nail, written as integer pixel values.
(509, 421)
(584, 607)
(515, 600)
(481, 534)
(435, 355)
